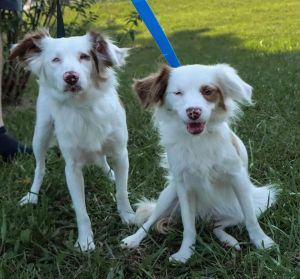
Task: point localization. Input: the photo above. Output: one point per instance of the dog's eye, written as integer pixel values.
(56, 60)
(84, 56)
(207, 91)
(178, 93)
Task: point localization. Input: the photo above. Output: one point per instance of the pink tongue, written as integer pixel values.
(195, 128)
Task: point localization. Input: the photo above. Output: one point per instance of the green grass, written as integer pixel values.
(259, 38)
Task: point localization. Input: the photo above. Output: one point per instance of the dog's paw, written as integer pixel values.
(130, 242)
(29, 198)
(85, 243)
(181, 256)
(235, 245)
(227, 240)
(127, 218)
(263, 242)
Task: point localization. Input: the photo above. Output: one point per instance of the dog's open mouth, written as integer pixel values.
(195, 128)
(74, 89)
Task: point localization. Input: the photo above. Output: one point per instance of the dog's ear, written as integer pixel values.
(106, 51)
(151, 89)
(232, 85)
(29, 49)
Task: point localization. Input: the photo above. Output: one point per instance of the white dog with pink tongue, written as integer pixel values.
(207, 162)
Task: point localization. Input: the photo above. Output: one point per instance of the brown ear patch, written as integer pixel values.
(29, 45)
(100, 47)
(100, 57)
(95, 60)
(213, 94)
(151, 89)
(97, 74)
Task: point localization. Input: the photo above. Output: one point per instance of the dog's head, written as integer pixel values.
(69, 65)
(196, 94)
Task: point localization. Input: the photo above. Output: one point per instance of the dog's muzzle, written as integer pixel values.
(71, 77)
(196, 126)
(193, 113)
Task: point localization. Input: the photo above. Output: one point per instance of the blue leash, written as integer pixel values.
(157, 32)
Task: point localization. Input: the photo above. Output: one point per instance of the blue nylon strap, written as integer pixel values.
(157, 32)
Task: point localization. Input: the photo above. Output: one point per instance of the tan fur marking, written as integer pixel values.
(151, 89)
(164, 225)
(213, 94)
(100, 46)
(28, 46)
(100, 58)
(98, 70)
(235, 144)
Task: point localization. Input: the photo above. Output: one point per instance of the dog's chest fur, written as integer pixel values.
(203, 163)
(88, 128)
(208, 155)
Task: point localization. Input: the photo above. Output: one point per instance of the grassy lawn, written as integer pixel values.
(259, 38)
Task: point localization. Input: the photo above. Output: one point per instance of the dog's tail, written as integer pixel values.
(264, 197)
(144, 209)
(168, 200)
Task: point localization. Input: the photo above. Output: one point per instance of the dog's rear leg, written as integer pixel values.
(108, 172)
(41, 140)
(121, 166)
(76, 188)
(223, 236)
(165, 200)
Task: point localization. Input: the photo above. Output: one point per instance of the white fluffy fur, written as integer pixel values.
(208, 172)
(89, 124)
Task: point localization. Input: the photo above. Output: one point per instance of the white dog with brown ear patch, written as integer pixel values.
(207, 162)
(78, 102)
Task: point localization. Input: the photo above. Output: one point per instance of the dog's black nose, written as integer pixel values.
(71, 77)
(193, 113)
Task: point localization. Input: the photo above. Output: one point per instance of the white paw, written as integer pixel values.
(85, 243)
(127, 218)
(29, 198)
(130, 242)
(263, 242)
(181, 256)
(237, 246)
(231, 242)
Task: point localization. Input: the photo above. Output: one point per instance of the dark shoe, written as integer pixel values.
(9, 147)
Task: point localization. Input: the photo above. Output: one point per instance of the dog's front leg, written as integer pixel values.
(76, 187)
(242, 188)
(42, 135)
(188, 214)
(121, 166)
